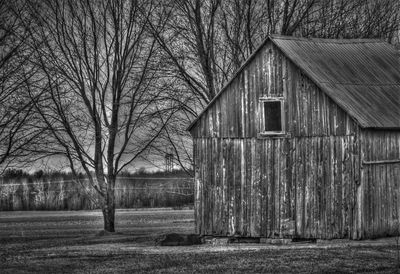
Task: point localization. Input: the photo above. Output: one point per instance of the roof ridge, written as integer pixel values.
(327, 40)
(362, 84)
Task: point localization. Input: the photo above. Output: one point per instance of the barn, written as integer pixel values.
(304, 141)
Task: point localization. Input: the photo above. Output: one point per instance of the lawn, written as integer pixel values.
(69, 241)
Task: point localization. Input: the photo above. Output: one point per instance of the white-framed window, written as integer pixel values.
(272, 116)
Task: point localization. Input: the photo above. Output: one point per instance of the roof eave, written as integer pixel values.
(392, 128)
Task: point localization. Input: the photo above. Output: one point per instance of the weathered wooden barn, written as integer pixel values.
(304, 141)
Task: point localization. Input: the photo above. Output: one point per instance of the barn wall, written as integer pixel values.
(380, 174)
(315, 181)
(277, 187)
(308, 111)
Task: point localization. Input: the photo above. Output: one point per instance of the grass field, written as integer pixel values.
(69, 241)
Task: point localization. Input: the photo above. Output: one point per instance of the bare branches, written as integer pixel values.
(17, 131)
(102, 86)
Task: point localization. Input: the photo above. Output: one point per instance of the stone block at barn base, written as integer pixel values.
(175, 239)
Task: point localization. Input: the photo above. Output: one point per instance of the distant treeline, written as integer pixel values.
(60, 191)
(12, 173)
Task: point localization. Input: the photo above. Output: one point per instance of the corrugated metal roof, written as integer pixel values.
(361, 76)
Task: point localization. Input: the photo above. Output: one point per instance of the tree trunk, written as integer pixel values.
(109, 211)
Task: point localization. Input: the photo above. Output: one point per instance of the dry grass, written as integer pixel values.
(53, 242)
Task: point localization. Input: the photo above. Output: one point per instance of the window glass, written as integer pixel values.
(272, 116)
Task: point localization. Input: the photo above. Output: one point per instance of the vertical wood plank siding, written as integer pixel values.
(310, 182)
(276, 187)
(381, 182)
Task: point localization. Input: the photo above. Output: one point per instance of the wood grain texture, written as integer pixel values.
(278, 187)
(380, 170)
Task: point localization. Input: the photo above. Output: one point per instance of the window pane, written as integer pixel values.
(272, 116)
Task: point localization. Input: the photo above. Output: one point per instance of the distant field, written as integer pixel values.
(60, 193)
(68, 241)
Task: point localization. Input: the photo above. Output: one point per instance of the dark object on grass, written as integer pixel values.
(106, 233)
(247, 240)
(175, 239)
(305, 240)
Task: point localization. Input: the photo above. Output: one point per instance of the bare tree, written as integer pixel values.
(187, 36)
(104, 104)
(17, 130)
(352, 19)
(242, 24)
